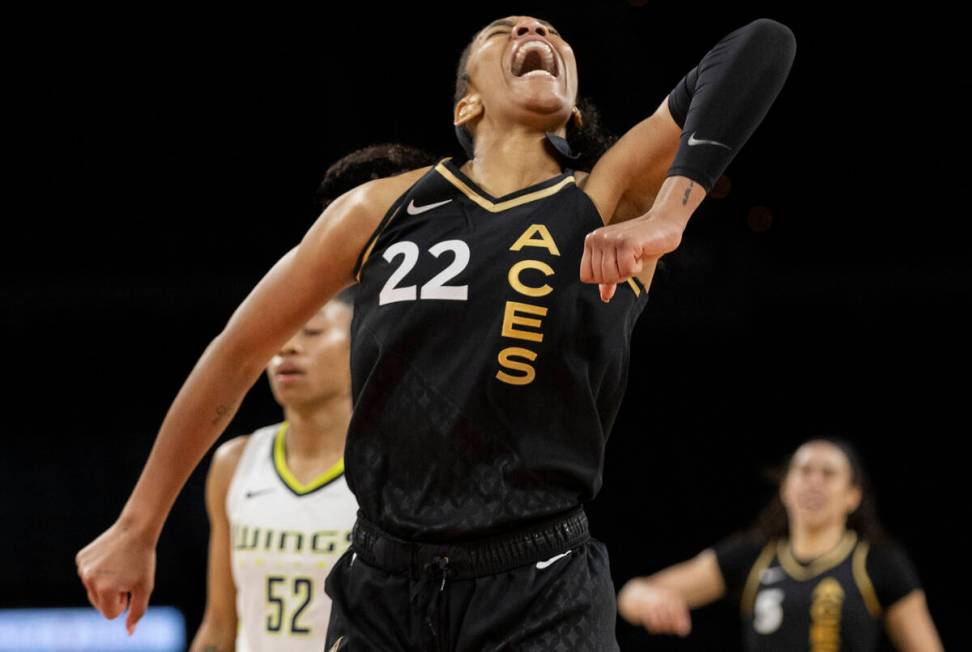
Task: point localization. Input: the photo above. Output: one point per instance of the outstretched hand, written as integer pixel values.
(118, 570)
(619, 251)
(658, 610)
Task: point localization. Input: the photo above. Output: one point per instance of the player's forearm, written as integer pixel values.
(697, 581)
(202, 409)
(720, 102)
(677, 200)
(214, 636)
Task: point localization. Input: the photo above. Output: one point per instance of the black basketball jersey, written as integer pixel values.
(485, 376)
(835, 603)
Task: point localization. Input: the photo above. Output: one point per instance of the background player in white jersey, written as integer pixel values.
(279, 505)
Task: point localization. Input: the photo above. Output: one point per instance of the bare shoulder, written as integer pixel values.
(332, 244)
(376, 197)
(227, 457)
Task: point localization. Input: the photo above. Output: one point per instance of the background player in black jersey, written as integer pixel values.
(453, 478)
(816, 571)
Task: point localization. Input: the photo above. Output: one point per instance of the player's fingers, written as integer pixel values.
(666, 624)
(683, 621)
(113, 603)
(596, 255)
(607, 291)
(672, 619)
(587, 260)
(136, 608)
(628, 263)
(655, 621)
(609, 264)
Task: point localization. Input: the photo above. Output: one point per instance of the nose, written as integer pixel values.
(528, 27)
(291, 347)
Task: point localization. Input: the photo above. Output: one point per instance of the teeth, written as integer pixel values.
(545, 51)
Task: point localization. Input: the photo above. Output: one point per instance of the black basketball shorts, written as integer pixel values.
(545, 588)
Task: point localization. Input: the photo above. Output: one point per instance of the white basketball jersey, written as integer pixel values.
(285, 537)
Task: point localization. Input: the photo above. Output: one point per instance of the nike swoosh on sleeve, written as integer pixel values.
(692, 141)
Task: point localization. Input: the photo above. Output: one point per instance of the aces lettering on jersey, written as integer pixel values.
(523, 320)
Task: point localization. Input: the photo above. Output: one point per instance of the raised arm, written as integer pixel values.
(660, 603)
(651, 181)
(117, 568)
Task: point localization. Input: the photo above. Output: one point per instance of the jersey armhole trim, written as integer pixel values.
(385, 221)
(373, 240)
(863, 581)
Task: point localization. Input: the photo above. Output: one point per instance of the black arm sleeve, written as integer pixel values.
(891, 573)
(736, 556)
(721, 101)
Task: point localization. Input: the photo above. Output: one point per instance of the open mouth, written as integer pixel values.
(534, 58)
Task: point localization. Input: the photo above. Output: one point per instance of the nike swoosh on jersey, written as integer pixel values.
(412, 209)
(543, 564)
(258, 492)
(696, 141)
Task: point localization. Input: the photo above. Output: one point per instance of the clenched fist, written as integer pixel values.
(619, 251)
(657, 609)
(118, 570)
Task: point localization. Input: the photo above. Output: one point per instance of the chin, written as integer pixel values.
(547, 113)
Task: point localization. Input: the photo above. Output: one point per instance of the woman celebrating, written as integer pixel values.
(815, 573)
(486, 374)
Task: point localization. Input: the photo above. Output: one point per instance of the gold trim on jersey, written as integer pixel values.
(863, 581)
(374, 241)
(820, 565)
(289, 479)
(752, 580)
(634, 286)
(494, 207)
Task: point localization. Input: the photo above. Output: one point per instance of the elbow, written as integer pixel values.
(773, 37)
(234, 354)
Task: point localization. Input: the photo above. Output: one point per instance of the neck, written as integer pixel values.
(510, 159)
(318, 430)
(810, 543)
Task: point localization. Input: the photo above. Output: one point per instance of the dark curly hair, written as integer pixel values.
(590, 140)
(367, 164)
(773, 522)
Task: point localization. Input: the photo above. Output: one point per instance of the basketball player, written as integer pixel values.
(816, 572)
(279, 507)
(486, 373)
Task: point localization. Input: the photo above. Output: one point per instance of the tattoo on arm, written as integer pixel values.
(221, 412)
(688, 191)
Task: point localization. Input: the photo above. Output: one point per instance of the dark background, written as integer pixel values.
(165, 159)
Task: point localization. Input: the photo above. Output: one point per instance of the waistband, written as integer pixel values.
(467, 559)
